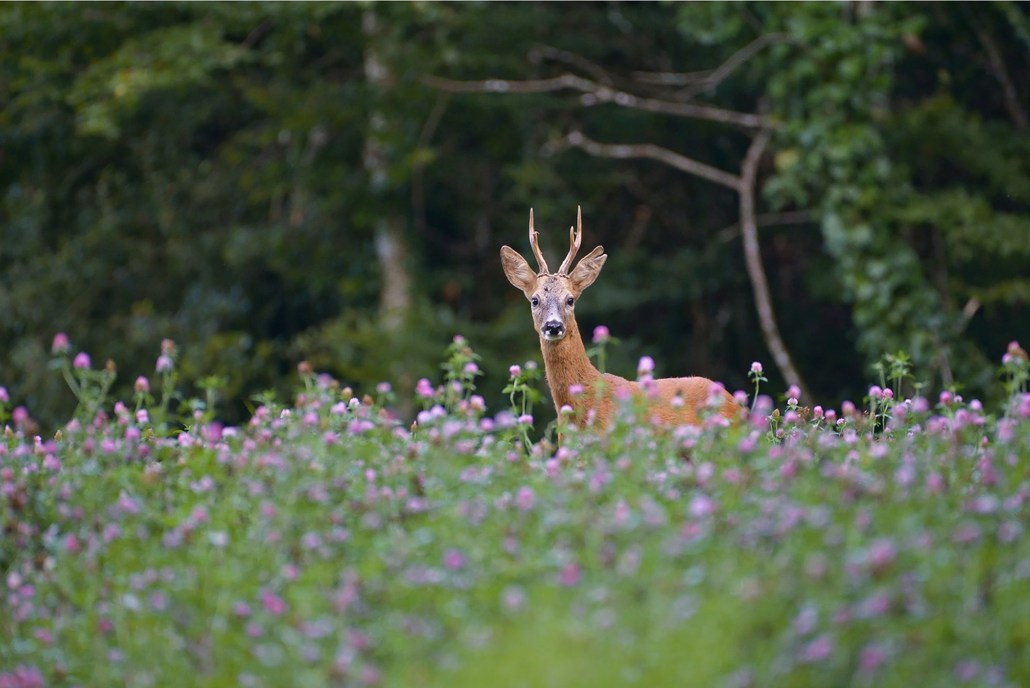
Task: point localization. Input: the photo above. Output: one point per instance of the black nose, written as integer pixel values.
(553, 328)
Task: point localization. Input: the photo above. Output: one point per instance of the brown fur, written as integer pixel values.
(553, 298)
(566, 363)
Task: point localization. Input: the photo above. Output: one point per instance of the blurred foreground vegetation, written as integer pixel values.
(270, 183)
(322, 542)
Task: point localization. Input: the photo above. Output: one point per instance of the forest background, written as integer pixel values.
(808, 185)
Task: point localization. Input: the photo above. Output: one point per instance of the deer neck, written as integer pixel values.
(566, 363)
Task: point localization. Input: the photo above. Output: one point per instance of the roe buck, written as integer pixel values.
(552, 296)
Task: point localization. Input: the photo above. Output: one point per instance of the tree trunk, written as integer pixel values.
(390, 242)
(756, 272)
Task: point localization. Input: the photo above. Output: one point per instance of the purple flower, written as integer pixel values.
(4, 398)
(272, 603)
(570, 575)
(966, 670)
(142, 385)
(513, 598)
(645, 366)
(871, 658)
(514, 371)
(424, 388)
(164, 363)
(817, 650)
(61, 344)
(81, 361)
(1024, 406)
(701, 506)
(756, 368)
(1013, 353)
(881, 554)
(453, 559)
(359, 425)
(601, 334)
(525, 498)
(126, 504)
(22, 677)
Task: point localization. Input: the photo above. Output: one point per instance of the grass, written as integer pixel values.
(326, 543)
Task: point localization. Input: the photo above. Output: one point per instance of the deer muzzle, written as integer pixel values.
(553, 330)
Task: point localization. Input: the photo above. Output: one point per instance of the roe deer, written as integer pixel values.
(552, 297)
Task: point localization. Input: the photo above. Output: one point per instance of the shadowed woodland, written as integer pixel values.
(807, 185)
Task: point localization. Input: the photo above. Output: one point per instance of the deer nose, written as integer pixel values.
(553, 328)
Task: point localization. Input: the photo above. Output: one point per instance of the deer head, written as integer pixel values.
(552, 296)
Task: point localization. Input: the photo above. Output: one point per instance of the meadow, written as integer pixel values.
(326, 542)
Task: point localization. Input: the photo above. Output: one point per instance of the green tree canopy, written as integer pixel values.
(203, 172)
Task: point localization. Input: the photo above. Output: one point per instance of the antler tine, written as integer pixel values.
(575, 239)
(534, 242)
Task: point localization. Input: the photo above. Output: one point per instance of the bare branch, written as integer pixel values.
(255, 36)
(599, 73)
(596, 94)
(672, 78)
(697, 82)
(723, 71)
(755, 270)
(996, 63)
(576, 139)
(558, 83)
(968, 311)
(706, 112)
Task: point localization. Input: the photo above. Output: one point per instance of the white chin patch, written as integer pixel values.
(553, 338)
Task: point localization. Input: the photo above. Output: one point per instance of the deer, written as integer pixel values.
(573, 380)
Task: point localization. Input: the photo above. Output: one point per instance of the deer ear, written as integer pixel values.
(517, 270)
(587, 270)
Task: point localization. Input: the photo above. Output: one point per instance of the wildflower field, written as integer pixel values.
(324, 542)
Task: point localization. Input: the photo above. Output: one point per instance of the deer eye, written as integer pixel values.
(569, 301)
(534, 302)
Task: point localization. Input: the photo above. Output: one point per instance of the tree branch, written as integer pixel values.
(549, 85)
(599, 73)
(698, 82)
(996, 63)
(755, 270)
(576, 139)
(596, 94)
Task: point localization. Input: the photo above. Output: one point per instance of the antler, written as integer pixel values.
(575, 238)
(534, 242)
